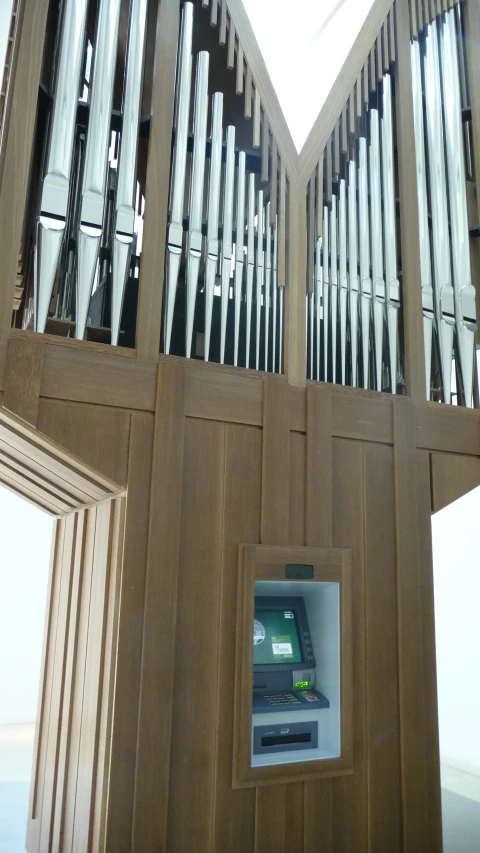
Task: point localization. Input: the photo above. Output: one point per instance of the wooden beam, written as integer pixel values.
(409, 229)
(152, 274)
(23, 377)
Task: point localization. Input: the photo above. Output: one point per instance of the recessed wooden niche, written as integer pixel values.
(322, 578)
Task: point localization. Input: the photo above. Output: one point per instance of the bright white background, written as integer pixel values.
(456, 563)
(25, 537)
(305, 50)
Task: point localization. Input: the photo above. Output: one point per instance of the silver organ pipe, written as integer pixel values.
(95, 170)
(326, 291)
(227, 239)
(259, 277)
(56, 183)
(194, 239)
(353, 268)
(212, 215)
(389, 218)
(318, 301)
(464, 292)
(365, 279)
(268, 270)
(333, 285)
(343, 292)
(424, 235)
(274, 296)
(177, 191)
(127, 162)
(250, 262)
(377, 247)
(239, 249)
(444, 302)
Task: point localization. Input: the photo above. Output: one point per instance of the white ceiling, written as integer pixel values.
(305, 51)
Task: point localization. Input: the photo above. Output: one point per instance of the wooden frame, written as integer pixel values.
(267, 563)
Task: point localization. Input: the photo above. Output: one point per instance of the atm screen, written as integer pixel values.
(275, 637)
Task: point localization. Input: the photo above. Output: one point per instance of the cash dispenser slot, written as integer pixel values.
(268, 739)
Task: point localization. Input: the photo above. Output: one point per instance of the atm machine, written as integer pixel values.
(291, 718)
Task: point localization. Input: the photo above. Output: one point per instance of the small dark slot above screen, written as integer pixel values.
(297, 571)
(281, 740)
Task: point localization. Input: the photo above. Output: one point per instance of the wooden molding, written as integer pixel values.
(452, 476)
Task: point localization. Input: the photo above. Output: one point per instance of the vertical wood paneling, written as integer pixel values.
(91, 700)
(270, 827)
(318, 816)
(127, 690)
(275, 462)
(193, 752)
(383, 735)
(69, 816)
(158, 182)
(410, 247)
(23, 374)
(410, 632)
(319, 466)
(235, 810)
(70, 664)
(156, 690)
(295, 321)
(318, 810)
(350, 793)
(298, 473)
(430, 704)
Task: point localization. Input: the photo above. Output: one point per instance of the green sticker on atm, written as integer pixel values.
(302, 684)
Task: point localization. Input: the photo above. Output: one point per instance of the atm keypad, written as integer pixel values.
(281, 699)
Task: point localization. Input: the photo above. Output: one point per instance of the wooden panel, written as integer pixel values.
(239, 76)
(318, 816)
(130, 636)
(453, 476)
(295, 320)
(383, 735)
(235, 810)
(156, 689)
(91, 699)
(23, 376)
(350, 794)
(430, 702)
(96, 434)
(410, 247)
(449, 428)
(270, 819)
(192, 771)
(106, 380)
(366, 416)
(18, 148)
(270, 824)
(157, 182)
(224, 396)
(410, 637)
(298, 480)
(319, 459)
(275, 462)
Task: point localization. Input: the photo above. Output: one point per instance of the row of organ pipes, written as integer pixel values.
(89, 192)
(353, 275)
(222, 240)
(223, 229)
(353, 299)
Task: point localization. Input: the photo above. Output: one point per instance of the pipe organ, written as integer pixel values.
(353, 288)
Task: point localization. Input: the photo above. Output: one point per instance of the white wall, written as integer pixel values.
(304, 52)
(25, 541)
(456, 565)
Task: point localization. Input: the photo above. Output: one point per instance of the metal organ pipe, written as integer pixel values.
(392, 283)
(212, 217)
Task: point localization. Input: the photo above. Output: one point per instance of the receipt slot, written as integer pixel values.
(296, 672)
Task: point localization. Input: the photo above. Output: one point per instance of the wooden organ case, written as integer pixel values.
(208, 341)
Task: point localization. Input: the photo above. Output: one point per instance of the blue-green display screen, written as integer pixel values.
(275, 637)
